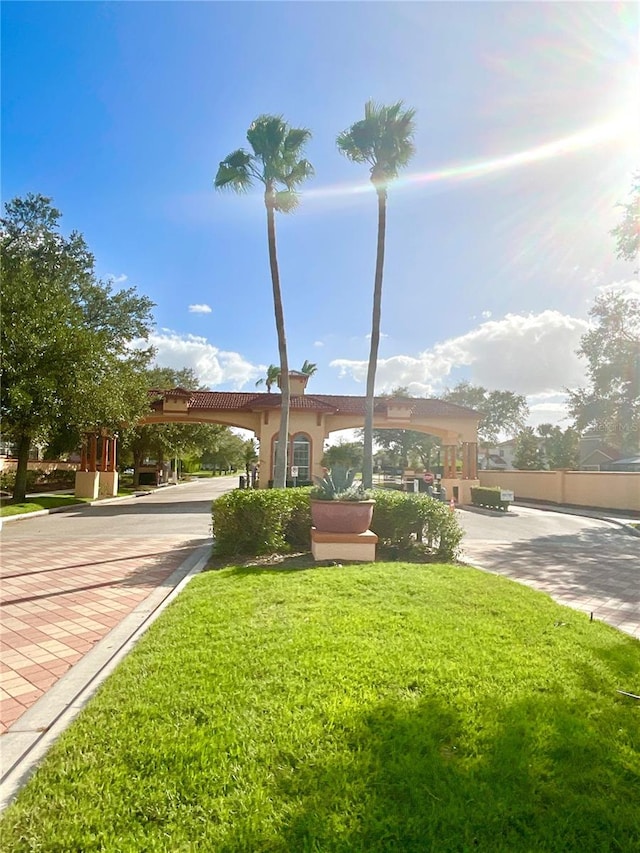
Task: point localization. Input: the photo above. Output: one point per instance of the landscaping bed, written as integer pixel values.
(375, 707)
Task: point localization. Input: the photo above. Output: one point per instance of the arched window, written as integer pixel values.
(301, 455)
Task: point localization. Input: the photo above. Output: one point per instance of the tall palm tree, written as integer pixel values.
(383, 140)
(275, 161)
(273, 374)
(309, 368)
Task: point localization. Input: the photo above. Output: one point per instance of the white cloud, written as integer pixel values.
(213, 367)
(318, 343)
(117, 279)
(528, 354)
(548, 409)
(200, 309)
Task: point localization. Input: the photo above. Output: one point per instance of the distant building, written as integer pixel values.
(498, 457)
(594, 454)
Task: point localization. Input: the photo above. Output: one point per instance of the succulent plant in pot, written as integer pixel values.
(339, 503)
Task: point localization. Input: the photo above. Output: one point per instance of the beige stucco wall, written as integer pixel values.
(611, 490)
(10, 464)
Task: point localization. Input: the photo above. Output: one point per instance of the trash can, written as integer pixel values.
(242, 482)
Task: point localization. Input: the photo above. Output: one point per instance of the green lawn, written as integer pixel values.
(383, 707)
(33, 504)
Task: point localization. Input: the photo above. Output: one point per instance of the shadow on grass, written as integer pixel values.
(244, 565)
(543, 776)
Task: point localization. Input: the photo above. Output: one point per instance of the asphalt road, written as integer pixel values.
(183, 511)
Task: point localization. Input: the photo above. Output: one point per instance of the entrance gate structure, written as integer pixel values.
(313, 417)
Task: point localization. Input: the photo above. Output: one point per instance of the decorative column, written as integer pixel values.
(469, 460)
(449, 461)
(93, 452)
(108, 478)
(104, 456)
(87, 479)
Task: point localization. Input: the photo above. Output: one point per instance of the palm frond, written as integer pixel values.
(296, 139)
(235, 172)
(356, 143)
(266, 136)
(298, 173)
(384, 139)
(285, 201)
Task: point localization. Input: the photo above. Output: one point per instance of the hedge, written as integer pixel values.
(262, 521)
(488, 497)
(267, 521)
(402, 519)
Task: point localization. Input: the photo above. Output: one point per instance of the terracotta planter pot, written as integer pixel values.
(342, 516)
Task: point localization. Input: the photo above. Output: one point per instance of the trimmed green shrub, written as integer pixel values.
(8, 480)
(401, 520)
(261, 521)
(268, 521)
(297, 530)
(488, 497)
(59, 478)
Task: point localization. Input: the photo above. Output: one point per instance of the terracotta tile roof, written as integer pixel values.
(228, 400)
(417, 405)
(338, 404)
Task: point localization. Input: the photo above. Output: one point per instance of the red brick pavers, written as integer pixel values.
(57, 602)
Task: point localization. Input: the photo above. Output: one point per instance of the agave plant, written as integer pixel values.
(338, 484)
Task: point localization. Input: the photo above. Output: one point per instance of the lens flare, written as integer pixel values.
(598, 134)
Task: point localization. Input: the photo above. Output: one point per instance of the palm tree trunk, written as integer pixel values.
(280, 473)
(367, 459)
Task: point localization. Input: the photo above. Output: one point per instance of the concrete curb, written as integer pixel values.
(101, 502)
(29, 739)
(480, 510)
(565, 510)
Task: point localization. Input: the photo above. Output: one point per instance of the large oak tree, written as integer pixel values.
(65, 342)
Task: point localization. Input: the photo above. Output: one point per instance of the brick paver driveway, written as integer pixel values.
(585, 563)
(68, 578)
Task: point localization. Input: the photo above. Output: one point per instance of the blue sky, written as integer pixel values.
(528, 132)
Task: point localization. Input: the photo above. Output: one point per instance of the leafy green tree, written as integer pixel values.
(627, 231)
(560, 446)
(610, 404)
(405, 447)
(345, 453)
(504, 412)
(276, 162)
(528, 456)
(383, 140)
(65, 342)
(170, 440)
(249, 457)
(309, 368)
(227, 451)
